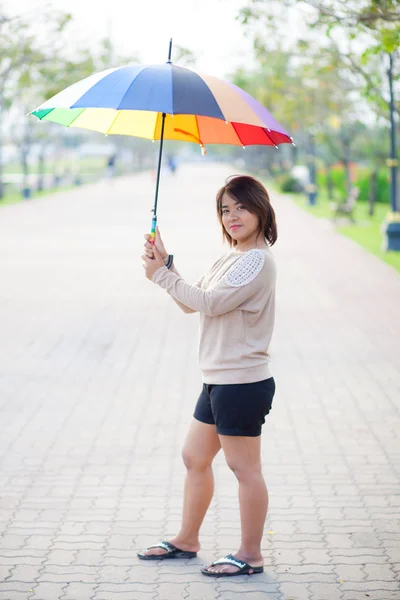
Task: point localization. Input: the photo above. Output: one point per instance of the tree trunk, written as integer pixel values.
(25, 150)
(40, 185)
(346, 164)
(24, 164)
(372, 192)
(294, 155)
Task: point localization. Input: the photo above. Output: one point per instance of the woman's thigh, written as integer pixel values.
(201, 445)
(242, 454)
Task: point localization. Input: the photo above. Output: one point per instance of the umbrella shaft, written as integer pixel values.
(159, 167)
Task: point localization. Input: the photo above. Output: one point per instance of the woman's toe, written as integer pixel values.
(155, 552)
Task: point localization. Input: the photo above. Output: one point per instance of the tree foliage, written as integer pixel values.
(362, 32)
(36, 63)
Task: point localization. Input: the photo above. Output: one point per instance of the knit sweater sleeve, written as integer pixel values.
(247, 276)
(197, 283)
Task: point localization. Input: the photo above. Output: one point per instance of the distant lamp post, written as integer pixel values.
(392, 230)
(311, 188)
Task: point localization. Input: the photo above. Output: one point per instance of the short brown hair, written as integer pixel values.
(251, 193)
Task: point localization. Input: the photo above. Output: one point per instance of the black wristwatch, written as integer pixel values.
(170, 261)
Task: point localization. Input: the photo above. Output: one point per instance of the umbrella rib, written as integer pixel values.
(198, 130)
(237, 133)
(155, 124)
(113, 121)
(131, 84)
(75, 118)
(269, 137)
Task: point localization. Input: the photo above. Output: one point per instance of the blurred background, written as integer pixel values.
(327, 70)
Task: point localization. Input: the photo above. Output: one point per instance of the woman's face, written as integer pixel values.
(241, 224)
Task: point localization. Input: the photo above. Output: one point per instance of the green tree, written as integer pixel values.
(302, 92)
(22, 56)
(363, 32)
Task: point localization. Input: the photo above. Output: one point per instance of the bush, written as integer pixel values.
(362, 181)
(338, 180)
(288, 183)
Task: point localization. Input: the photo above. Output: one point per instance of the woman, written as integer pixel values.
(236, 302)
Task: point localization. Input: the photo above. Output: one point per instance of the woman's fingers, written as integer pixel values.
(149, 244)
(159, 238)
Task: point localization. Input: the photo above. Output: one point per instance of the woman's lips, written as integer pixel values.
(235, 226)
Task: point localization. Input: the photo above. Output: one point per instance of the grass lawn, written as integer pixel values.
(16, 196)
(88, 164)
(366, 231)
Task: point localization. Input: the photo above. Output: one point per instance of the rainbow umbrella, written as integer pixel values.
(164, 102)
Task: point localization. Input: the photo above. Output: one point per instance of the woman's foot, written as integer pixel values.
(178, 543)
(254, 561)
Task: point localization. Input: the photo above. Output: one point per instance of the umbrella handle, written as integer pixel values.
(153, 229)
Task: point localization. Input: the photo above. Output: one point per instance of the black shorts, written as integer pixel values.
(236, 409)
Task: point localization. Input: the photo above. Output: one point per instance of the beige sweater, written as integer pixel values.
(236, 302)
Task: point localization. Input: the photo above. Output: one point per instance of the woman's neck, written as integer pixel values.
(245, 246)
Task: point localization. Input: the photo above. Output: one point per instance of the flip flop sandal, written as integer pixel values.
(172, 552)
(244, 568)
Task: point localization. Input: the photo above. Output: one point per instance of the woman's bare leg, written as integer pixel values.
(201, 446)
(243, 457)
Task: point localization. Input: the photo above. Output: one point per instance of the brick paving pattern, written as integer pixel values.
(98, 379)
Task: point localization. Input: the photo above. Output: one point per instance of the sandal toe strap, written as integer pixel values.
(231, 560)
(165, 545)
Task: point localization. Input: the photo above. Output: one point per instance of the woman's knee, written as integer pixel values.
(244, 471)
(201, 445)
(243, 456)
(195, 460)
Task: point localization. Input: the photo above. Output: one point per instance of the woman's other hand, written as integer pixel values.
(151, 265)
(148, 246)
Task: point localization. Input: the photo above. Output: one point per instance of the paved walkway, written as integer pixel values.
(98, 379)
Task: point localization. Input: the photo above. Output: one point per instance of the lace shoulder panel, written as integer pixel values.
(245, 269)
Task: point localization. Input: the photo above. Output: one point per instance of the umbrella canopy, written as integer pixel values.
(131, 100)
(164, 102)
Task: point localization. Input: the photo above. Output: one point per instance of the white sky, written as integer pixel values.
(143, 28)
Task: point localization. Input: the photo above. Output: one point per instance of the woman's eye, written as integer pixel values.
(224, 211)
